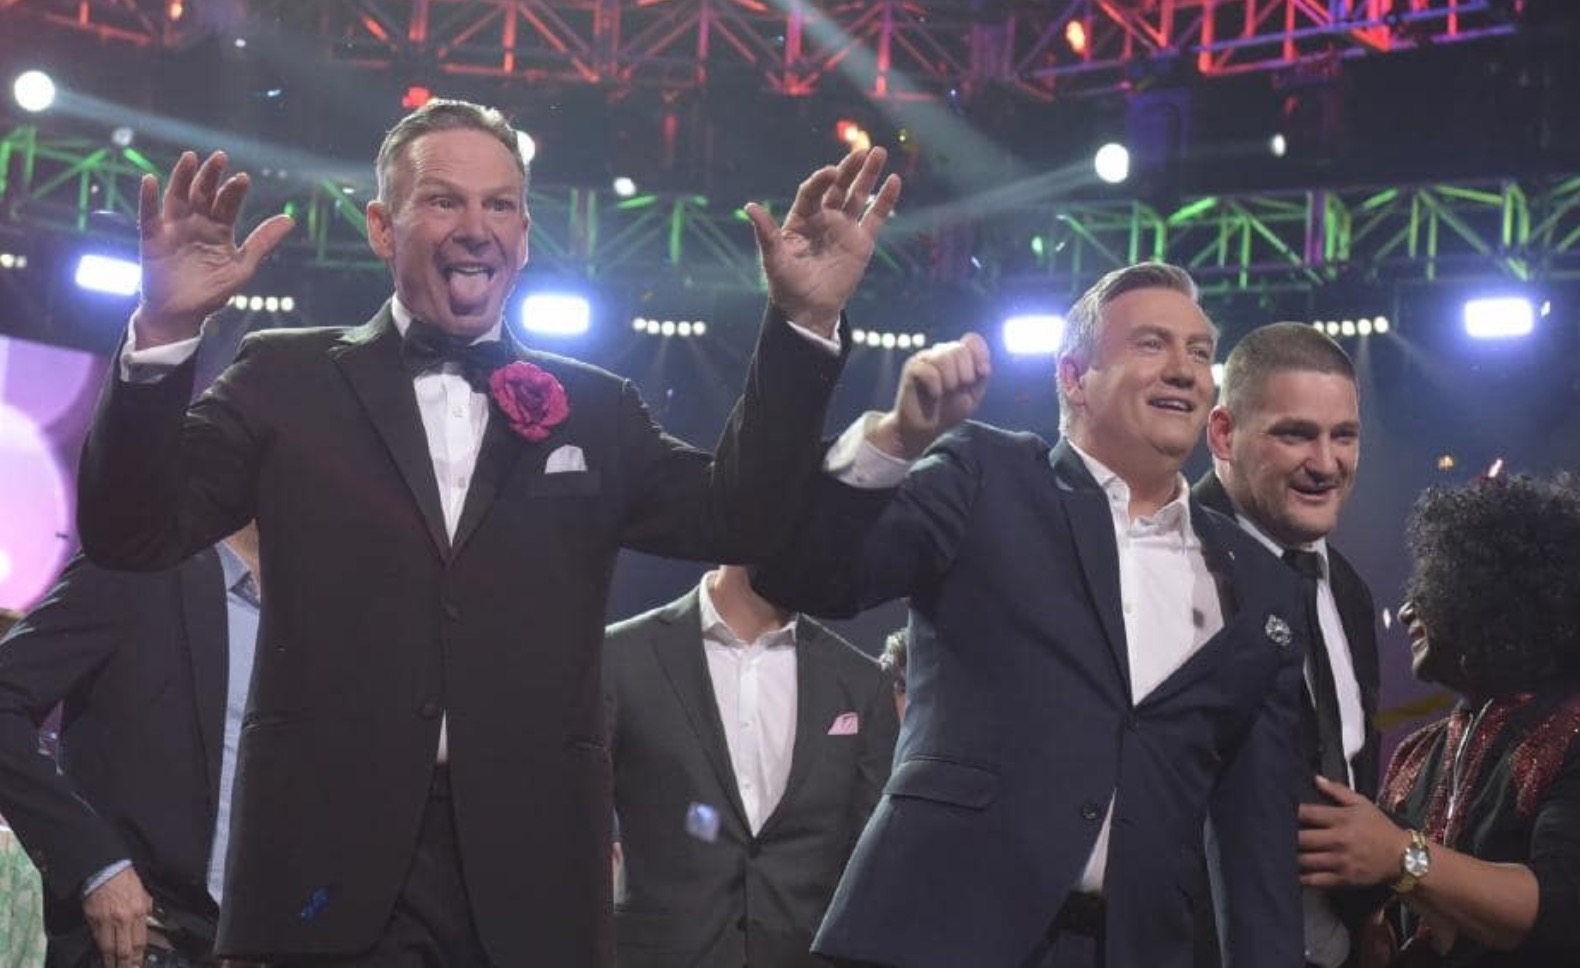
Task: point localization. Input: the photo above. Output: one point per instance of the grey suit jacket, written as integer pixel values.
(739, 899)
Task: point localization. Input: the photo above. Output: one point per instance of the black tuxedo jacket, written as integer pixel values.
(741, 899)
(140, 664)
(1020, 723)
(377, 623)
(1358, 615)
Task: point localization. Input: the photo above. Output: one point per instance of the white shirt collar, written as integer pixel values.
(1173, 516)
(1320, 546)
(404, 316)
(716, 629)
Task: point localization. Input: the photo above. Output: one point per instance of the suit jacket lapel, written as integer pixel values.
(369, 356)
(818, 701)
(1090, 520)
(502, 448)
(203, 604)
(678, 647)
(1228, 576)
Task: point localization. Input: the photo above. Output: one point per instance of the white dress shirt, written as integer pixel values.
(754, 684)
(1168, 596)
(1327, 940)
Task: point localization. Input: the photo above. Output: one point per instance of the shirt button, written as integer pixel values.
(1090, 810)
(461, 482)
(457, 412)
(1129, 608)
(452, 611)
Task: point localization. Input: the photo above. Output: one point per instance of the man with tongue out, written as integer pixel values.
(423, 771)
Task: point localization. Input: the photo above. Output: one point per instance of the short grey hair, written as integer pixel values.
(1079, 342)
(1277, 348)
(443, 114)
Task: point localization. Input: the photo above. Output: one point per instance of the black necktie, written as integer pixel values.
(1328, 727)
(427, 347)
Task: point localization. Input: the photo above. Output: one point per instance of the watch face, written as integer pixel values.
(1416, 861)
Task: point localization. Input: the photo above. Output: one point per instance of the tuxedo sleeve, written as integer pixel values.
(737, 505)
(158, 482)
(1252, 852)
(53, 652)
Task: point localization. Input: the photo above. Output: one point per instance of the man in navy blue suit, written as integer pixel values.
(1097, 663)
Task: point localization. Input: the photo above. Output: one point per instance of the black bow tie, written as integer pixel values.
(427, 347)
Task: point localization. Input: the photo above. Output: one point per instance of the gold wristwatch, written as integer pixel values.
(1414, 864)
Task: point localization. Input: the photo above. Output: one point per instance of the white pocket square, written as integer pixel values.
(565, 459)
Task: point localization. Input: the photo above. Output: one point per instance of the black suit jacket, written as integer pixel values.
(1020, 723)
(377, 623)
(139, 663)
(1358, 615)
(741, 899)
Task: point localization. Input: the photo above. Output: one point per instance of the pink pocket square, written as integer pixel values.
(845, 724)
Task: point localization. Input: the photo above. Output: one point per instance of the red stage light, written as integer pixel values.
(416, 96)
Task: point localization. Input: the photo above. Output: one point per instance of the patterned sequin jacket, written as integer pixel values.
(1500, 781)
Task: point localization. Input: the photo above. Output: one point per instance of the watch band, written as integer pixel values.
(1408, 880)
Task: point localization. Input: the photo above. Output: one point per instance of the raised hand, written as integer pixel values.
(815, 259)
(939, 387)
(191, 263)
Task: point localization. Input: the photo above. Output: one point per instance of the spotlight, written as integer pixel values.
(107, 274)
(859, 336)
(699, 328)
(1278, 145)
(667, 327)
(34, 91)
(918, 340)
(1363, 326)
(555, 314)
(903, 341)
(255, 303)
(889, 340)
(287, 304)
(1033, 335)
(639, 324)
(1500, 317)
(1075, 36)
(624, 187)
(683, 328)
(1112, 163)
(527, 147)
(122, 137)
(1347, 327)
(271, 304)
(1380, 324)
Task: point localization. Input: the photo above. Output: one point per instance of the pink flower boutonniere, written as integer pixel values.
(530, 398)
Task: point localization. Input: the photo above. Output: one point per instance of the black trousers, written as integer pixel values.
(432, 925)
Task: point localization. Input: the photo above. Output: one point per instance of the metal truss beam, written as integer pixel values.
(1290, 240)
(890, 49)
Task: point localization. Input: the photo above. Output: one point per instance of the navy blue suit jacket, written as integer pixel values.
(1021, 724)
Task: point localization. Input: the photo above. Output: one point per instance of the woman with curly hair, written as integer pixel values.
(1477, 841)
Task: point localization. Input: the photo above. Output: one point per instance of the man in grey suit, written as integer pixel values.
(749, 747)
